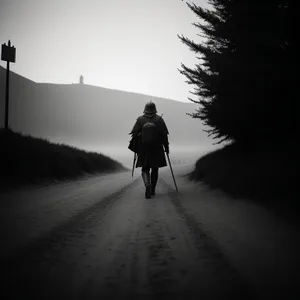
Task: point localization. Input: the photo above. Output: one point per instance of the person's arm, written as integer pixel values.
(136, 129)
(134, 143)
(166, 143)
(164, 133)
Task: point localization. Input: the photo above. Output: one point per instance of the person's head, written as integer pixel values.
(150, 109)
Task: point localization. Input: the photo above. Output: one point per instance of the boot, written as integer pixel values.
(152, 191)
(146, 179)
(154, 177)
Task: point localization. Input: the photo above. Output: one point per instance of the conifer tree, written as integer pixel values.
(245, 70)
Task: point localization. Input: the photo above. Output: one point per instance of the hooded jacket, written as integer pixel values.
(154, 157)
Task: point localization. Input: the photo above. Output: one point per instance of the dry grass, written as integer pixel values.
(266, 175)
(25, 159)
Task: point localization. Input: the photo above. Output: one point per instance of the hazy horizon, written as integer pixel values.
(94, 118)
(97, 86)
(178, 154)
(125, 45)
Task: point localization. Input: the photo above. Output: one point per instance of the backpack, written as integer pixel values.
(150, 134)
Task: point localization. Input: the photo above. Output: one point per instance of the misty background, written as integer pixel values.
(127, 45)
(125, 50)
(95, 118)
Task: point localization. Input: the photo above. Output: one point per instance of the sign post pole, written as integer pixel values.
(8, 54)
(7, 97)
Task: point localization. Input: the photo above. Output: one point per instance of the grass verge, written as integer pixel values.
(266, 175)
(28, 160)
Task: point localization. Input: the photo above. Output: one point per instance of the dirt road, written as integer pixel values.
(99, 238)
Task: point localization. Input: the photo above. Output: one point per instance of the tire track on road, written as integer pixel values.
(159, 256)
(17, 267)
(210, 252)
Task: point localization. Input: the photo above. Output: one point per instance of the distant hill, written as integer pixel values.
(83, 114)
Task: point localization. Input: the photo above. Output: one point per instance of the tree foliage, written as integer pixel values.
(245, 80)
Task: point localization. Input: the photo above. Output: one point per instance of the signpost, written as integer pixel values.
(8, 54)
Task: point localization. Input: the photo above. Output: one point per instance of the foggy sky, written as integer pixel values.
(129, 45)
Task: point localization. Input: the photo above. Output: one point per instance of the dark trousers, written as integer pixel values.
(154, 175)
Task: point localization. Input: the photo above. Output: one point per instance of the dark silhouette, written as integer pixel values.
(25, 159)
(149, 135)
(246, 87)
(246, 78)
(8, 54)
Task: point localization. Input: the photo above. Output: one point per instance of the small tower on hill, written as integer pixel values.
(81, 79)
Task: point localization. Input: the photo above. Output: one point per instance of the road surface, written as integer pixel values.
(99, 238)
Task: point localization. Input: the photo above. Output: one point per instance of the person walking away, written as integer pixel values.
(150, 141)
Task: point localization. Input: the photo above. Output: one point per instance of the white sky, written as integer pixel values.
(129, 45)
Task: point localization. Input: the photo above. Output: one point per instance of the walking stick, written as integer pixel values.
(172, 172)
(134, 159)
